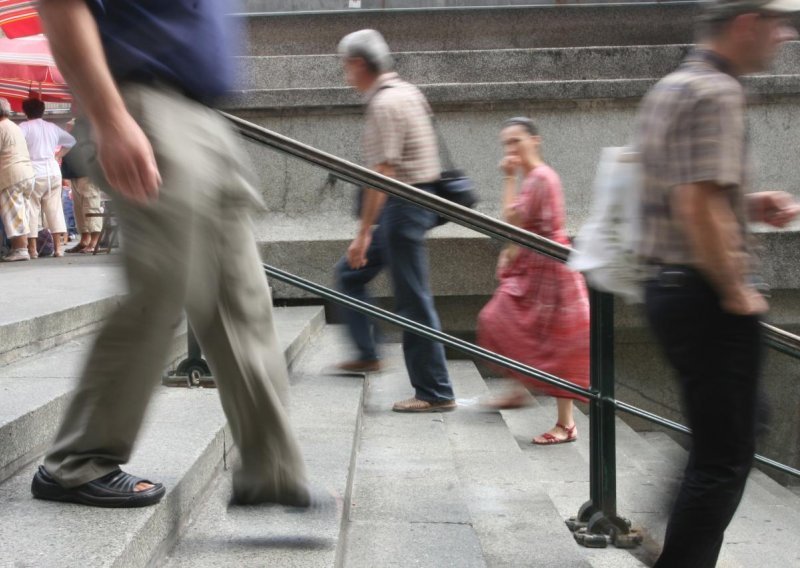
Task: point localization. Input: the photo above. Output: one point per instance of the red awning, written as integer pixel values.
(27, 67)
(18, 18)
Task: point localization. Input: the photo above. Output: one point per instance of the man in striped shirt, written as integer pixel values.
(701, 301)
(399, 142)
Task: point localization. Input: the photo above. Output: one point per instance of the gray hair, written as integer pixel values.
(5, 107)
(370, 46)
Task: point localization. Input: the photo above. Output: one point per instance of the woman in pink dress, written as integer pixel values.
(539, 314)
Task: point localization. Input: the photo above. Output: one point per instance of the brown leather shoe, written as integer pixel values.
(416, 405)
(359, 367)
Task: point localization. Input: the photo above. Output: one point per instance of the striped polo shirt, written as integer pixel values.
(399, 131)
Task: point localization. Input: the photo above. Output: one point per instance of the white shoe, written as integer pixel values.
(17, 255)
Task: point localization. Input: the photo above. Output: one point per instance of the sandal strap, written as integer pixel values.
(120, 481)
(569, 431)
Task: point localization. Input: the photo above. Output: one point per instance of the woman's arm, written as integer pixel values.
(510, 168)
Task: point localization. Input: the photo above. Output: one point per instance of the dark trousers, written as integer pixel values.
(399, 245)
(718, 357)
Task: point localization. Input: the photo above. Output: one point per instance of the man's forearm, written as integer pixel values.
(78, 52)
(714, 234)
(371, 207)
(373, 201)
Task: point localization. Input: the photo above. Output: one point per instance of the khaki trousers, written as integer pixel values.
(86, 199)
(45, 201)
(193, 248)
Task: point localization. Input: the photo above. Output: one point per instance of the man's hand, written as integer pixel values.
(127, 159)
(776, 208)
(357, 251)
(124, 152)
(744, 301)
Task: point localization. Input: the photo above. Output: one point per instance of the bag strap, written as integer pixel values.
(445, 156)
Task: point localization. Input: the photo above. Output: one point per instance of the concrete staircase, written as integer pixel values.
(464, 489)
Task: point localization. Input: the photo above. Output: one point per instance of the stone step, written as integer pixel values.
(648, 473)
(271, 6)
(479, 94)
(428, 68)
(510, 27)
(486, 66)
(447, 490)
(182, 444)
(52, 300)
(35, 392)
(765, 526)
(326, 415)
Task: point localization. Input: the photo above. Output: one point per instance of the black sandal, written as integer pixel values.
(114, 490)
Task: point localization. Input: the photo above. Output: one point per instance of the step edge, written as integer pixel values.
(44, 337)
(161, 548)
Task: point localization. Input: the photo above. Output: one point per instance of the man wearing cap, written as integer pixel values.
(702, 298)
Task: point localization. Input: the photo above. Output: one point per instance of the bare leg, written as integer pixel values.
(565, 408)
(58, 243)
(515, 396)
(565, 427)
(19, 242)
(93, 240)
(32, 248)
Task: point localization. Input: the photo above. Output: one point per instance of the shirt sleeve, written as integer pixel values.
(709, 147)
(65, 139)
(385, 134)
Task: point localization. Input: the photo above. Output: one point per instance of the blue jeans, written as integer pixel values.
(69, 214)
(399, 244)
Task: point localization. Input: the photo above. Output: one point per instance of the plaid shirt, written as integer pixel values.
(691, 129)
(399, 131)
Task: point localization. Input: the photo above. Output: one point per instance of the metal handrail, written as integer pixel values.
(485, 354)
(362, 176)
(777, 338)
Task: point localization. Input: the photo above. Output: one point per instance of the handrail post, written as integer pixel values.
(193, 371)
(598, 523)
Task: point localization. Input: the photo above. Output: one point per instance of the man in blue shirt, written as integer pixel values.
(142, 71)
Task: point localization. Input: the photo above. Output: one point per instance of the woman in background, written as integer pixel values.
(539, 314)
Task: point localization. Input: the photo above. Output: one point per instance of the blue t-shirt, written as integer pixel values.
(186, 43)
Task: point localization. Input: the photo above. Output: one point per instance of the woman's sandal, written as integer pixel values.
(550, 440)
(114, 490)
(76, 249)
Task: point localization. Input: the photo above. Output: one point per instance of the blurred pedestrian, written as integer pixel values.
(702, 298)
(175, 172)
(44, 140)
(399, 142)
(86, 197)
(16, 184)
(539, 314)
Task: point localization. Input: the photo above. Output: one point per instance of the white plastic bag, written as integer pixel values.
(605, 248)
